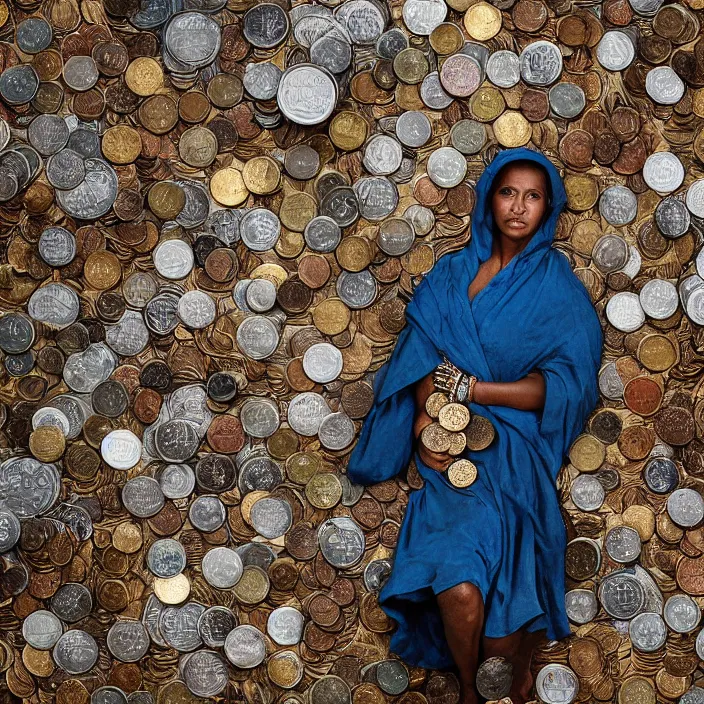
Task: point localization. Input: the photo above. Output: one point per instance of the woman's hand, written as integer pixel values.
(439, 461)
(451, 380)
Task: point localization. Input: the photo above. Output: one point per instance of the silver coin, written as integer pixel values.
(621, 595)
(663, 172)
(446, 167)
(28, 487)
(94, 196)
(567, 100)
(121, 449)
(19, 84)
(139, 288)
(661, 475)
(193, 39)
(161, 313)
(9, 530)
(205, 673)
(503, 68)
(322, 234)
(108, 695)
(197, 207)
(110, 399)
(615, 51)
(80, 73)
(392, 677)
(245, 646)
(376, 573)
(623, 544)
(664, 86)
(239, 294)
(260, 229)
(72, 602)
(65, 169)
(659, 299)
(196, 309)
(190, 402)
(33, 35)
(377, 197)
(433, 94)
(494, 678)
(142, 497)
(41, 629)
(261, 295)
(150, 618)
(322, 362)
(173, 259)
(413, 128)
(356, 289)
(265, 25)
(396, 236)
(618, 205)
(587, 493)
(75, 409)
(362, 19)
(51, 416)
(422, 219)
(423, 16)
(625, 312)
(177, 481)
(695, 198)
(222, 567)
(382, 155)
(307, 94)
(556, 684)
(207, 513)
(541, 63)
(694, 695)
(581, 605)
(682, 613)
(285, 625)
(694, 305)
(86, 142)
(256, 554)
(332, 51)
(336, 431)
(214, 624)
(672, 217)
(260, 417)
(48, 134)
(341, 541)
(610, 382)
(271, 517)
(128, 640)
(341, 205)
(129, 336)
(179, 626)
(261, 80)
(685, 507)
(306, 411)
(633, 264)
(647, 632)
(391, 43)
(57, 246)
(17, 333)
(257, 337)
(75, 652)
(259, 473)
(83, 371)
(176, 440)
(55, 305)
(468, 136)
(313, 24)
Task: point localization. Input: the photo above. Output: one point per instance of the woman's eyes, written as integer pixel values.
(507, 191)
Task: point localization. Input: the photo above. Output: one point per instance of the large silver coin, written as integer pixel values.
(55, 305)
(222, 567)
(94, 196)
(128, 640)
(166, 558)
(285, 625)
(647, 632)
(257, 337)
(341, 541)
(28, 487)
(193, 39)
(75, 652)
(179, 626)
(682, 614)
(307, 94)
(41, 629)
(541, 63)
(205, 673)
(245, 646)
(306, 411)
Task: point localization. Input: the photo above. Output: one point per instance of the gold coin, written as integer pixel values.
(446, 39)
(331, 316)
(261, 175)
(435, 437)
(657, 352)
(458, 443)
(636, 690)
(354, 253)
(348, 130)
(487, 103)
(462, 473)
(419, 260)
(228, 188)
(248, 501)
(102, 270)
(324, 490)
(587, 454)
(158, 114)
(301, 466)
(47, 443)
(453, 417)
(274, 272)
(127, 537)
(297, 210)
(198, 147)
(144, 76)
(411, 65)
(642, 519)
(285, 669)
(166, 199)
(173, 590)
(435, 402)
(482, 21)
(671, 686)
(582, 192)
(225, 90)
(4, 13)
(282, 444)
(38, 662)
(512, 129)
(253, 586)
(121, 144)
(479, 433)
(290, 244)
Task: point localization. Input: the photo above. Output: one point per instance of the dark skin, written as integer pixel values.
(519, 202)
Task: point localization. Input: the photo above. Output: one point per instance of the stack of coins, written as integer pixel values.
(212, 217)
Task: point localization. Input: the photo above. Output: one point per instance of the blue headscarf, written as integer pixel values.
(533, 315)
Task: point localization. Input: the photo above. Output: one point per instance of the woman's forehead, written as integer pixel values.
(525, 174)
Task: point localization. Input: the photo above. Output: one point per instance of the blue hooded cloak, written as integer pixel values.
(505, 532)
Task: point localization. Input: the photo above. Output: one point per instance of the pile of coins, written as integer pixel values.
(213, 215)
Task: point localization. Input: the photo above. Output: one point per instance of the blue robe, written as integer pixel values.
(505, 532)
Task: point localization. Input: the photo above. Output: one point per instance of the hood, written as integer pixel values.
(483, 218)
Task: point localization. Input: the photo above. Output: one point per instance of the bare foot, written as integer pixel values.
(522, 686)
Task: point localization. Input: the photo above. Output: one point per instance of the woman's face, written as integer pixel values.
(519, 202)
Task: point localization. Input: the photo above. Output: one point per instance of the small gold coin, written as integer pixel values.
(144, 76)
(285, 669)
(253, 585)
(127, 537)
(512, 129)
(642, 519)
(166, 199)
(458, 443)
(121, 144)
(228, 188)
(331, 316)
(348, 130)
(354, 253)
(446, 39)
(173, 590)
(587, 454)
(198, 147)
(482, 21)
(462, 473)
(324, 490)
(38, 662)
(487, 103)
(47, 443)
(301, 466)
(290, 244)
(435, 402)
(261, 175)
(454, 417)
(158, 114)
(297, 210)
(636, 690)
(102, 270)
(657, 352)
(435, 438)
(479, 433)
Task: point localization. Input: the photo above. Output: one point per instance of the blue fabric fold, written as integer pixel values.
(505, 533)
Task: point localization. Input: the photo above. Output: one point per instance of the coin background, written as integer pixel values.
(127, 112)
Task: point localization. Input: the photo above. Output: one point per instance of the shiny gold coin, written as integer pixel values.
(158, 114)
(512, 129)
(301, 466)
(671, 686)
(454, 417)
(121, 144)
(253, 586)
(435, 437)
(458, 444)
(324, 490)
(435, 402)
(642, 519)
(38, 662)
(582, 192)
(228, 188)
(274, 272)
(482, 21)
(656, 352)
(419, 260)
(290, 244)
(348, 130)
(480, 432)
(285, 669)
(166, 199)
(127, 537)
(173, 590)
(446, 39)
(331, 316)
(47, 443)
(297, 210)
(198, 147)
(462, 473)
(354, 253)
(587, 454)
(144, 76)
(102, 270)
(261, 175)
(636, 690)
(4, 13)
(487, 103)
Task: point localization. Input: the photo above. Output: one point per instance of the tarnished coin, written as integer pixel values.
(462, 473)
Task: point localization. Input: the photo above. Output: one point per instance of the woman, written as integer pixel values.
(509, 311)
